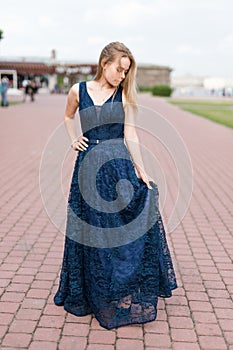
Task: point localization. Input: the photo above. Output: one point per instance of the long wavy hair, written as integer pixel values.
(109, 54)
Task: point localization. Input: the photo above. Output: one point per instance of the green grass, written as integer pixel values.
(218, 111)
(15, 102)
(12, 103)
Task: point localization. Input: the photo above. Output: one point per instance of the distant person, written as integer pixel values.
(30, 90)
(4, 87)
(56, 89)
(25, 84)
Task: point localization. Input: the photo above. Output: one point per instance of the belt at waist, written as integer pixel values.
(96, 141)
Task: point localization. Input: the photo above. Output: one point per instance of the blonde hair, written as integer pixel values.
(109, 54)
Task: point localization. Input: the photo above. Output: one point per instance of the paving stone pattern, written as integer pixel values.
(198, 316)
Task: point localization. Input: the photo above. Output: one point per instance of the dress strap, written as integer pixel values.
(83, 100)
(118, 96)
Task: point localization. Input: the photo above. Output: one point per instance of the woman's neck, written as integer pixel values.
(104, 84)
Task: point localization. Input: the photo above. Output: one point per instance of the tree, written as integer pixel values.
(1, 34)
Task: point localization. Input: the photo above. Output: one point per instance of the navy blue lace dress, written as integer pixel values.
(116, 259)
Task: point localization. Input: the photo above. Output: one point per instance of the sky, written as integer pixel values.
(191, 37)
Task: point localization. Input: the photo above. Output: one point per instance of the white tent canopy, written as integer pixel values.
(218, 83)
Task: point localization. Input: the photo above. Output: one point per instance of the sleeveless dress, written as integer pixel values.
(116, 260)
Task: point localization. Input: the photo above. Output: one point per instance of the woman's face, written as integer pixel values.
(115, 72)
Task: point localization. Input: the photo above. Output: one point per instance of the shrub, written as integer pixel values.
(161, 90)
(144, 89)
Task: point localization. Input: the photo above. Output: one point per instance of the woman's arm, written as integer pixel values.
(132, 142)
(71, 108)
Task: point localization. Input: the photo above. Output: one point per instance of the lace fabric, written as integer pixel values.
(119, 284)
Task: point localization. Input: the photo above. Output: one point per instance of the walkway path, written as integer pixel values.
(200, 314)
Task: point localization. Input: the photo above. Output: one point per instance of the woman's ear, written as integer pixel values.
(103, 64)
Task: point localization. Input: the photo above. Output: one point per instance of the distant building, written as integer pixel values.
(150, 75)
(54, 74)
(49, 74)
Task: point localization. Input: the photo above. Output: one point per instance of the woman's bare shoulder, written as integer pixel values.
(74, 90)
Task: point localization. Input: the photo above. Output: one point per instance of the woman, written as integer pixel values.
(116, 260)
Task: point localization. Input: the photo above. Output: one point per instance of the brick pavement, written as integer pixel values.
(200, 314)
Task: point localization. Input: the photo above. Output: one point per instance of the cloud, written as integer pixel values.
(227, 42)
(122, 14)
(13, 25)
(96, 40)
(187, 49)
(47, 22)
